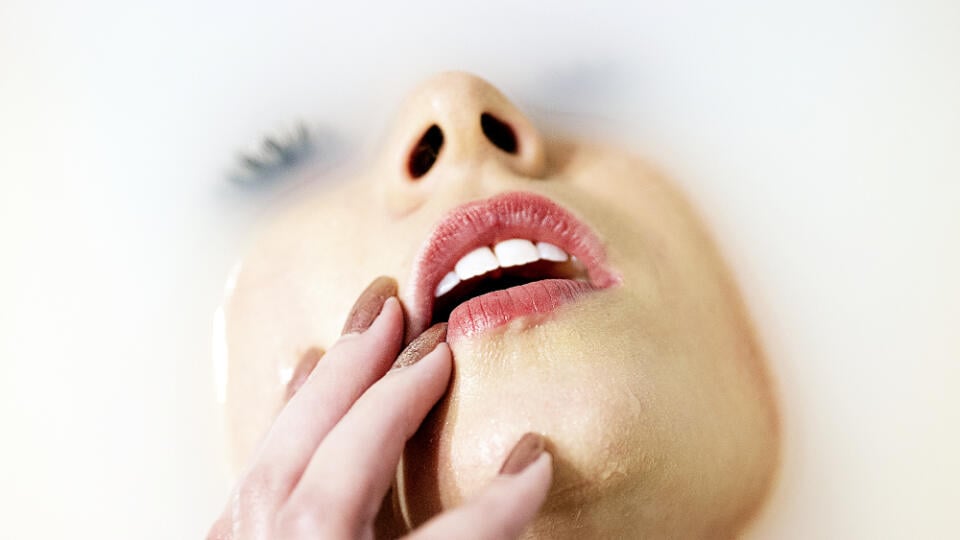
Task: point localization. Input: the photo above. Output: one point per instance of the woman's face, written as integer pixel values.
(636, 360)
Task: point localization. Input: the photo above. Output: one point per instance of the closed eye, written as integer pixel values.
(274, 156)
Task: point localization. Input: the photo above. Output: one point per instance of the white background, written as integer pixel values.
(820, 139)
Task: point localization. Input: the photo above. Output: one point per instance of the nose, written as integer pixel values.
(457, 121)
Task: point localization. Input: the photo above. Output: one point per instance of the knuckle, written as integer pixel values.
(293, 522)
(249, 497)
(262, 478)
(318, 516)
(257, 491)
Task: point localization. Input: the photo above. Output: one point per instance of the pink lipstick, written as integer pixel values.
(494, 260)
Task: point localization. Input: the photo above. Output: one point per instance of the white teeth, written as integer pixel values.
(551, 252)
(477, 262)
(515, 252)
(512, 252)
(448, 282)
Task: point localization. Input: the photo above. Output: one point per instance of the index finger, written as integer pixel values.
(352, 365)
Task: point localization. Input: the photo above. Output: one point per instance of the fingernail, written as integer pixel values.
(368, 306)
(527, 450)
(422, 345)
(304, 368)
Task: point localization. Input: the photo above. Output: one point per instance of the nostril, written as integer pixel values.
(499, 133)
(425, 153)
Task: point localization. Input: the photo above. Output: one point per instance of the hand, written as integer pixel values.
(326, 465)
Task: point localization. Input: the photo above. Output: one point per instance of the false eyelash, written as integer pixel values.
(275, 156)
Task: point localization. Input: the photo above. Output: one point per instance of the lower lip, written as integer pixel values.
(498, 308)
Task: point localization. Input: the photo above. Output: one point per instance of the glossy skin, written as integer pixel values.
(652, 394)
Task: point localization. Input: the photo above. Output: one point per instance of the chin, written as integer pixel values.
(650, 437)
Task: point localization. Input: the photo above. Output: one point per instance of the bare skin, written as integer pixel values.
(652, 395)
(329, 459)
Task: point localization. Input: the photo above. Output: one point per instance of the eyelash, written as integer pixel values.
(275, 156)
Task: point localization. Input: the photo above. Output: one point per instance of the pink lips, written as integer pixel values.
(486, 222)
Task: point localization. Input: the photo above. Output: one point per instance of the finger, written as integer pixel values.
(502, 510)
(354, 466)
(351, 365)
(304, 368)
(389, 522)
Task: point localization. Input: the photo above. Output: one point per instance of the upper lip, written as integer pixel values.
(487, 221)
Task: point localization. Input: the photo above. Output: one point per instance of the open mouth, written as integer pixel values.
(510, 263)
(488, 262)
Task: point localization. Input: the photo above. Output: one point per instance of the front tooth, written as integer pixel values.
(551, 252)
(477, 262)
(515, 252)
(448, 282)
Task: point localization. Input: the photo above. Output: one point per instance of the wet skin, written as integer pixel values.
(651, 392)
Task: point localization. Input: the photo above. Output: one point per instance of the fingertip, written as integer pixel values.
(389, 323)
(421, 346)
(442, 355)
(503, 509)
(443, 350)
(542, 467)
(433, 370)
(535, 482)
(540, 470)
(392, 311)
(535, 479)
(369, 306)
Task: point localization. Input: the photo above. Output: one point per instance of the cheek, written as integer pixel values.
(589, 427)
(641, 423)
(584, 393)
